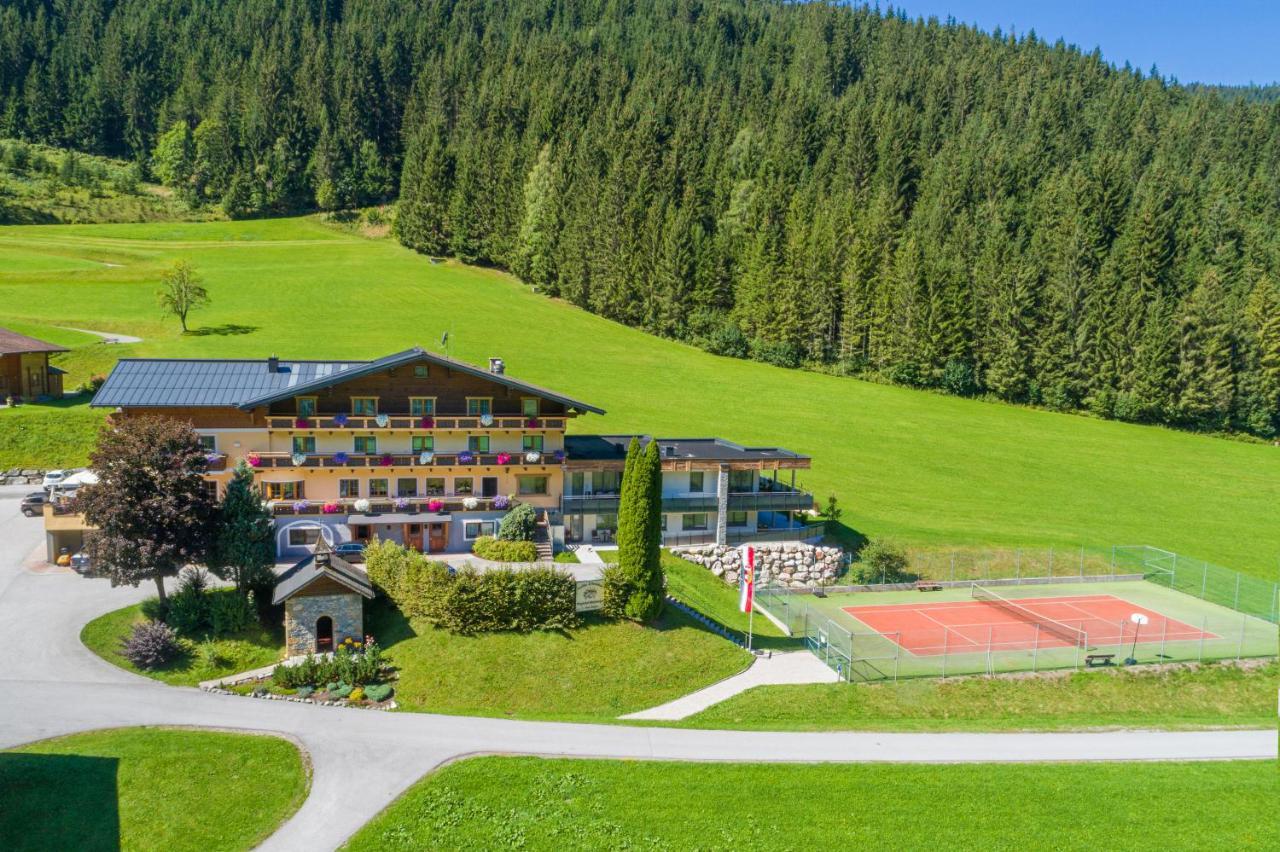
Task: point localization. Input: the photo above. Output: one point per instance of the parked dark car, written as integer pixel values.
(350, 551)
(33, 503)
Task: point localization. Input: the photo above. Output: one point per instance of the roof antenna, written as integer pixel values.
(444, 341)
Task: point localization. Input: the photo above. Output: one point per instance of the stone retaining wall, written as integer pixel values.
(22, 476)
(792, 564)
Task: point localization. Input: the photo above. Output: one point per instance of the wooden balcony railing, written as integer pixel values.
(426, 506)
(339, 460)
(443, 422)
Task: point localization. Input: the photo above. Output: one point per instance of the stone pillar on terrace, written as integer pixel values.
(722, 505)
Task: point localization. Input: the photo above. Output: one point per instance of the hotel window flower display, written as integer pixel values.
(470, 503)
(340, 458)
(362, 505)
(340, 420)
(332, 507)
(504, 458)
(466, 457)
(301, 506)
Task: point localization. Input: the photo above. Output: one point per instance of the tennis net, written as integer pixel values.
(1063, 631)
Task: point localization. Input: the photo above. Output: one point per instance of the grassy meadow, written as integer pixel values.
(532, 803)
(924, 468)
(148, 788)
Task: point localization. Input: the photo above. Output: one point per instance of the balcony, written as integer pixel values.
(770, 501)
(403, 421)
(388, 505)
(340, 460)
(754, 501)
(215, 462)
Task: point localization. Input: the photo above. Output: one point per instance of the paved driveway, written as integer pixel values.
(363, 759)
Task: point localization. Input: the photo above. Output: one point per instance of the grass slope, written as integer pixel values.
(1213, 696)
(921, 467)
(594, 673)
(253, 648)
(528, 803)
(144, 788)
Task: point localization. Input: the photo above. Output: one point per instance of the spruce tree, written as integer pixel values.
(243, 549)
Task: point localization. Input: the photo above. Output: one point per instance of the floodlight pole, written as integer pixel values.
(1133, 654)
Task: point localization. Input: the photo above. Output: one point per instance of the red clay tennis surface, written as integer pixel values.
(951, 627)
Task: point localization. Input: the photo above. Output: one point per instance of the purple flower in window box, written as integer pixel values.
(502, 501)
(300, 506)
(466, 457)
(211, 458)
(386, 460)
(428, 422)
(400, 503)
(339, 420)
(504, 458)
(559, 455)
(302, 423)
(339, 458)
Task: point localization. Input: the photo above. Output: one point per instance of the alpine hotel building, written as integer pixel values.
(432, 452)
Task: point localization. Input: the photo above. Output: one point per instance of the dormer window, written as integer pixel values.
(420, 371)
(364, 406)
(478, 406)
(529, 406)
(306, 406)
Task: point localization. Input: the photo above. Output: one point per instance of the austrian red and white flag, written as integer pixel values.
(747, 580)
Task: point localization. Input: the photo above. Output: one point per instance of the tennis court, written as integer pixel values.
(929, 629)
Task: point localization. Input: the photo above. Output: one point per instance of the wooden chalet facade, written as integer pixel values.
(25, 372)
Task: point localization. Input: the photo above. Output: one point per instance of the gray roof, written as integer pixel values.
(308, 570)
(182, 382)
(606, 447)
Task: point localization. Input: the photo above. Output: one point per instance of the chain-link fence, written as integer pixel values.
(1203, 580)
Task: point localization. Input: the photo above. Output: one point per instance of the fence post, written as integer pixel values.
(1035, 653)
(1050, 562)
(990, 665)
(1204, 626)
(1237, 606)
(897, 655)
(1082, 562)
(944, 652)
(1204, 583)
(1086, 644)
(1240, 644)
(953, 566)
(1164, 637)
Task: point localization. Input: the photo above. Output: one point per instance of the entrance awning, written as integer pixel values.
(397, 519)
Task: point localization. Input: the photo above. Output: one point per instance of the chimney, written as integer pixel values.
(497, 366)
(273, 364)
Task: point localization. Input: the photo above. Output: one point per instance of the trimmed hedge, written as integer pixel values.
(497, 550)
(471, 601)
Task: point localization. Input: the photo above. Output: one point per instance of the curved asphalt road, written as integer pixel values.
(362, 760)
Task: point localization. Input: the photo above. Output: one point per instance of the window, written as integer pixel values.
(737, 519)
(606, 481)
(366, 406)
(742, 480)
(607, 522)
(478, 443)
(421, 406)
(697, 481)
(366, 444)
(531, 443)
(423, 443)
(377, 488)
(304, 444)
(283, 490)
(472, 530)
(306, 406)
(478, 405)
(462, 485)
(211, 488)
(697, 521)
(406, 487)
(305, 536)
(664, 523)
(208, 443)
(529, 406)
(531, 484)
(421, 371)
(433, 486)
(348, 488)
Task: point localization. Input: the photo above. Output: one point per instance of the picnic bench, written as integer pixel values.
(928, 586)
(1094, 660)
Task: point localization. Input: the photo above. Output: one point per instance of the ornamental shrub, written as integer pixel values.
(521, 601)
(357, 694)
(229, 612)
(377, 692)
(488, 547)
(188, 611)
(519, 524)
(343, 690)
(882, 561)
(305, 691)
(151, 644)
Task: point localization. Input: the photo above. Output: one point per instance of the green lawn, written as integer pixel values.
(1213, 696)
(699, 588)
(594, 673)
(146, 788)
(925, 468)
(255, 647)
(530, 803)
